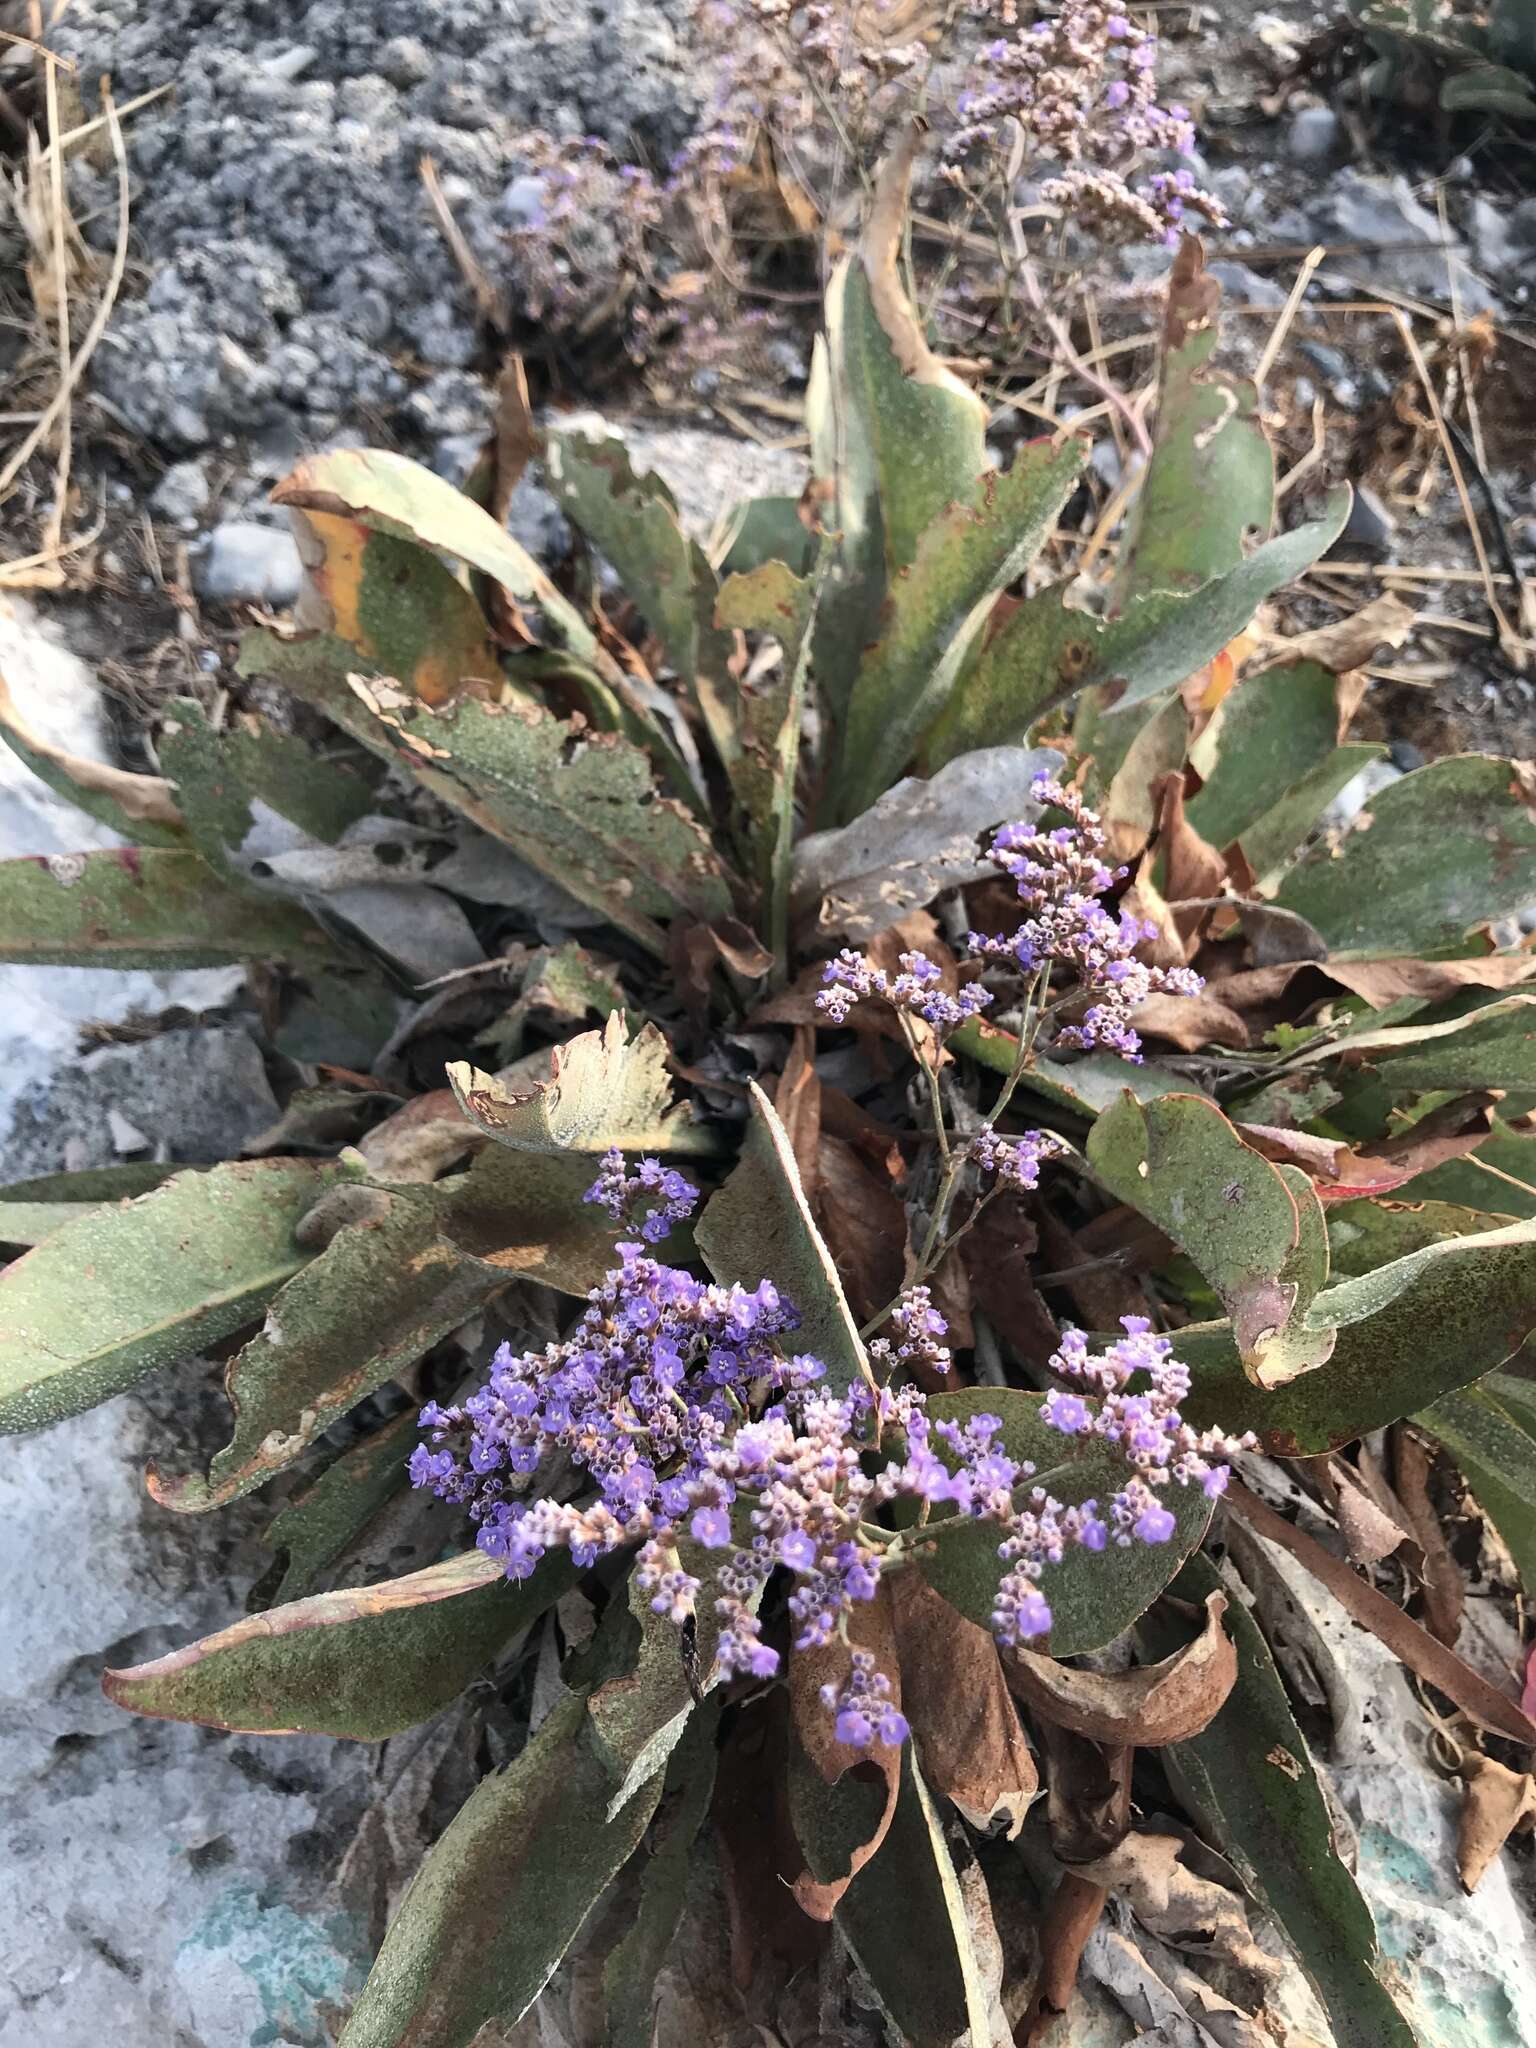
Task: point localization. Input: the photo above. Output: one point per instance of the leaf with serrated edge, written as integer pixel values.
(604, 1088)
(1089, 1605)
(1250, 1781)
(759, 1224)
(365, 1662)
(139, 1284)
(501, 1896)
(1406, 1333)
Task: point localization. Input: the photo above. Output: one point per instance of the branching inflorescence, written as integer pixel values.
(1082, 89)
(689, 1421)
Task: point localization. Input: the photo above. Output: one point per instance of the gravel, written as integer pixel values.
(294, 262)
(246, 563)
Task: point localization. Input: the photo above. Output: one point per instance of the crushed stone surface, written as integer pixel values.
(290, 263)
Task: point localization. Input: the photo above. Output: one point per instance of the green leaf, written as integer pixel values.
(633, 521)
(604, 1089)
(140, 808)
(1266, 735)
(1257, 1236)
(523, 1213)
(1271, 842)
(95, 1184)
(1489, 89)
(222, 779)
(389, 494)
(135, 1286)
(1407, 1333)
(759, 1224)
(364, 1663)
(1490, 1430)
(390, 599)
(152, 907)
(765, 530)
(1090, 1605)
(580, 806)
(1451, 846)
(897, 433)
(772, 600)
(387, 1286)
(316, 1527)
(639, 1714)
(904, 1921)
(500, 1898)
(1364, 1235)
(1502, 1172)
(1493, 1047)
(1250, 1780)
(633, 1966)
(939, 605)
(1044, 652)
(1212, 476)
(28, 1223)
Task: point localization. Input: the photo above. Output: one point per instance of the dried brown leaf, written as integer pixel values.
(1075, 1910)
(1445, 1592)
(1496, 1804)
(1146, 1708)
(865, 1225)
(1088, 1794)
(969, 1739)
(1192, 1022)
(1346, 1173)
(421, 1140)
(797, 1100)
(1180, 1907)
(840, 1839)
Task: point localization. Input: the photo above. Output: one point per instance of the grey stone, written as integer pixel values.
(1315, 134)
(1497, 243)
(1245, 287)
(283, 184)
(1357, 793)
(1381, 215)
(247, 563)
(182, 493)
(1370, 524)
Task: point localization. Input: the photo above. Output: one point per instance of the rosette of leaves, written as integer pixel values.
(1323, 1176)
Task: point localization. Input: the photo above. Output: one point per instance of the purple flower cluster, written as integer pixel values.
(1083, 88)
(919, 1339)
(862, 1705)
(1146, 1428)
(682, 1422)
(1015, 1162)
(1061, 875)
(919, 989)
(650, 1200)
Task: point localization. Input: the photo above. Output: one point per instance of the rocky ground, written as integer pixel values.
(289, 287)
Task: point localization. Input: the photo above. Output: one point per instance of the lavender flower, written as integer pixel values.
(920, 1333)
(683, 1421)
(1060, 875)
(864, 1710)
(649, 1200)
(1083, 88)
(919, 989)
(1015, 1162)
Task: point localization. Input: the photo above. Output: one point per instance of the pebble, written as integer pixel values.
(1370, 524)
(247, 563)
(1315, 134)
(181, 494)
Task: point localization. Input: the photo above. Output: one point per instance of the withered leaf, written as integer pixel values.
(1496, 1804)
(1148, 1707)
(963, 1720)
